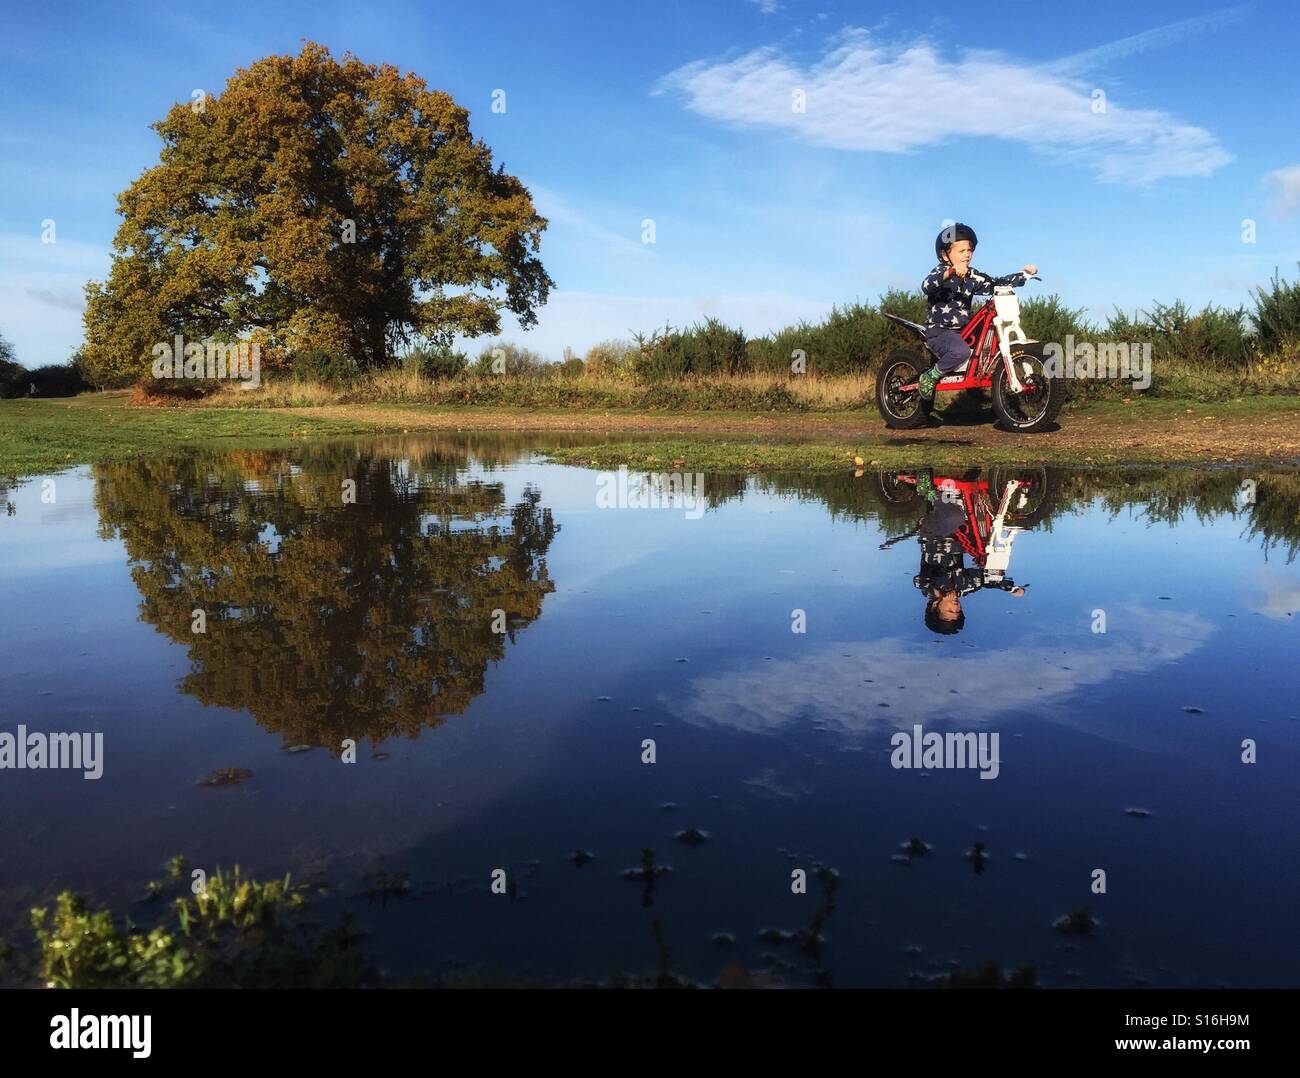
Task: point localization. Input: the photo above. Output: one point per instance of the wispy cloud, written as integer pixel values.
(63, 299)
(862, 95)
(563, 218)
(1158, 38)
(1286, 181)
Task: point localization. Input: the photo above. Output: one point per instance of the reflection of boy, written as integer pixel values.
(944, 576)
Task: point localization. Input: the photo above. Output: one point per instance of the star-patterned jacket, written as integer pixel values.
(950, 300)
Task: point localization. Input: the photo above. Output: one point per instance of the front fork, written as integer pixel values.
(1007, 331)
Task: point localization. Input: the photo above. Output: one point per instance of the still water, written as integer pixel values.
(507, 652)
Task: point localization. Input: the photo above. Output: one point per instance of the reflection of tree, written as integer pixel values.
(329, 620)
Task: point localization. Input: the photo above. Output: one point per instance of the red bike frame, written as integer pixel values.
(982, 336)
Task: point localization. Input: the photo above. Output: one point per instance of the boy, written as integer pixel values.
(948, 289)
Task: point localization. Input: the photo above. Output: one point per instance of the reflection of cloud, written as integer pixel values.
(1280, 596)
(766, 784)
(915, 682)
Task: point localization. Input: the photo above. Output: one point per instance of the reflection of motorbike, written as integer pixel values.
(1024, 497)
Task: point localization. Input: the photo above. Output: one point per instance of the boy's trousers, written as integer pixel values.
(948, 346)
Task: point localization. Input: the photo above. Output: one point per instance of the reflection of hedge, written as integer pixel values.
(370, 620)
(1166, 495)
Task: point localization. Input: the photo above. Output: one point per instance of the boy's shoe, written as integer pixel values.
(926, 383)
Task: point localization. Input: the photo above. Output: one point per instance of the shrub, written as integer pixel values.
(1046, 318)
(1276, 317)
(153, 392)
(14, 380)
(705, 349)
(56, 380)
(611, 357)
(1215, 338)
(238, 932)
(852, 340)
(517, 360)
(435, 361)
(324, 365)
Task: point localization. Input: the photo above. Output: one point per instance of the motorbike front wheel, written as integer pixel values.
(1037, 407)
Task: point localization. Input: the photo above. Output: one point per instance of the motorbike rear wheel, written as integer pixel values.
(902, 410)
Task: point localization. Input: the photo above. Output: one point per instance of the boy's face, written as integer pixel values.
(959, 254)
(949, 604)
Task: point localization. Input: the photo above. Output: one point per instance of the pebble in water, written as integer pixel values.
(227, 776)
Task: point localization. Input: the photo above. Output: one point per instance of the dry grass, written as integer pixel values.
(755, 391)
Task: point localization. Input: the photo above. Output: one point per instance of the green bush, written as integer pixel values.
(852, 340)
(236, 933)
(14, 381)
(1047, 319)
(702, 349)
(1276, 317)
(322, 365)
(612, 357)
(56, 380)
(436, 361)
(1214, 339)
(517, 360)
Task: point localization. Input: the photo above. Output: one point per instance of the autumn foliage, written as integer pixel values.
(315, 204)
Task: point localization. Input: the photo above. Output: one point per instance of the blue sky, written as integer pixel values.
(681, 112)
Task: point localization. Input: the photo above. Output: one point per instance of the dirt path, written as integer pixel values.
(1209, 432)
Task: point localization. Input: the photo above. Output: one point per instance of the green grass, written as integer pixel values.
(731, 455)
(38, 436)
(44, 435)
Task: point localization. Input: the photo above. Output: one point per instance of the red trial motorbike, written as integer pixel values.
(1026, 397)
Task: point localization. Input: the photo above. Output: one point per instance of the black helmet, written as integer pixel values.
(951, 235)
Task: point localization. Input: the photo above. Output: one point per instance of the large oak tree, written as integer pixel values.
(316, 203)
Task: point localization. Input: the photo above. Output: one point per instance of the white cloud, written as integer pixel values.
(1287, 182)
(893, 99)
